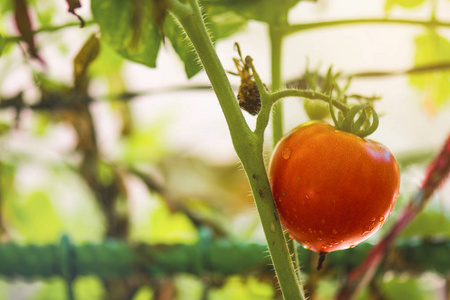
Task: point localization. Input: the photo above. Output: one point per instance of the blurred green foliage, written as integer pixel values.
(432, 48)
(390, 4)
(429, 224)
(34, 218)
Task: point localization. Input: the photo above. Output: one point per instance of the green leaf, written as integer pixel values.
(88, 288)
(189, 287)
(427, 224)
(223, 22)
(35, 219)
(144, 293)
(432, 48)
(268, 11)
(409, 288)
(237, 287)
(182, 46)
(4, 127)
(117, 20)
(2, 44)
(171, 228)
(41, 124)
(7, 7)
(54, 288)
(108, 62)
(45, 12)
(146, 145)
(105, 173)
(389, 4)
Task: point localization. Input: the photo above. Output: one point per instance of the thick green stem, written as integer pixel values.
(287, 275)
(276, 46)
(276, 43)
(247, 144)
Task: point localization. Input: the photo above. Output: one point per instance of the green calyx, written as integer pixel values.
(361, 120)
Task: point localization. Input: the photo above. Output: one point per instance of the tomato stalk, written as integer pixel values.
(361, 126)
(312, 95)
(345, 120)
(269, 99)
(248, 145)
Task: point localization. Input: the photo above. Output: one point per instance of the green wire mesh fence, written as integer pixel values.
(222, 257)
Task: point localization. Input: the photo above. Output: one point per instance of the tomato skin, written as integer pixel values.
(332, 189)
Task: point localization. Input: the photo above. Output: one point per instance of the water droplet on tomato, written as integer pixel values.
(319, 238)
(368, 228)
(286, 153)
(310, 230)
(323, 221)
(381, 219)
(320, 232)
(373, 219)
(351, 246)
(334, 231)
(306, 242)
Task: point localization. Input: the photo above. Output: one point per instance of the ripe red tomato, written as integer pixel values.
(332, 189)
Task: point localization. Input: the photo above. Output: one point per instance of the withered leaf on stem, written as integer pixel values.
(84, 58)
(23, 24)
(74, 4)
(138, 10)
(159, 10)
(249, 97)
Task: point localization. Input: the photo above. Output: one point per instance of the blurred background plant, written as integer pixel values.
(94, 145)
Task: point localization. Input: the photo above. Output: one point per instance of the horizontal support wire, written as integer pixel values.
(117, 259)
